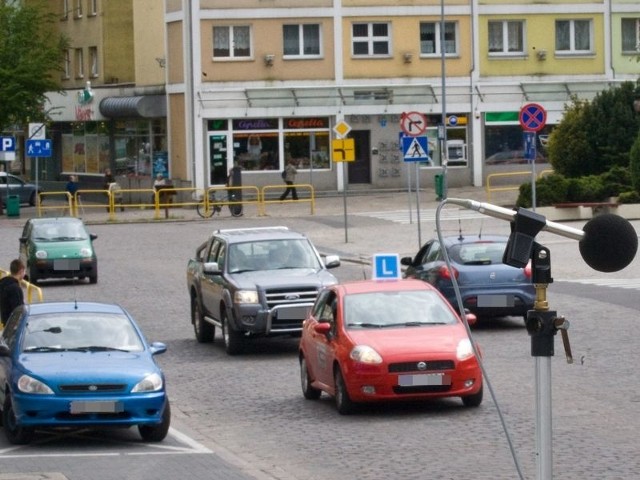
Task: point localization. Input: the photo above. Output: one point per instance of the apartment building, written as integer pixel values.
(255, 82)
(112, 111)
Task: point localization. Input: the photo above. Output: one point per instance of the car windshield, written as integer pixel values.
(478, 253)
(80, 331)
(60, 231)
(396, 309)
(272, 255)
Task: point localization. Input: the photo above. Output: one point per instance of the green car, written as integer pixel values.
(58, 248)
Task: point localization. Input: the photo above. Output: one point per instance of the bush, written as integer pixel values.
(549, 190)
(634, 164)
(629, 197)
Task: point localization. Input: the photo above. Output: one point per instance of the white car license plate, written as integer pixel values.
(485, 301)
(424, 379)
(105, 406)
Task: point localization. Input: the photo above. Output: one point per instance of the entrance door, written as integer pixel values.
(360, 170)
(217, 159)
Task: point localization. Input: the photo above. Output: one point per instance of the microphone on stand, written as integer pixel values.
(608, 242)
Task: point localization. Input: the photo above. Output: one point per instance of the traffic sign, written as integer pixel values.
(37, 131)
(342, 129)
(7, 144)
(38, 148)
(415, 149)
(413, 124)
(386, 266)
(533, 117)
(530, 146)
(344, 150)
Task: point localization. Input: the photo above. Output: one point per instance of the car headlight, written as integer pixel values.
(151, 383)
(27, 384)
(245, 296)
(85, 252)
(365, 354)
(464, 350)
(41, 254)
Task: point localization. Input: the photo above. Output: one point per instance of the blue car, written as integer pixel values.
(488, 287)
(82, 365)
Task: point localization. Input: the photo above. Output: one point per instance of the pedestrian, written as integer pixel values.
(290, 173)
(72, 189)
(11, 295)
(108, 178)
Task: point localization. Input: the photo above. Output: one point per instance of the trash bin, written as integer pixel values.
(439, 185)
(13, 206)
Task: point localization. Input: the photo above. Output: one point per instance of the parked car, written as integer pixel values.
(373, 341)
(26, 191)
(510, 157)
(488, 287)
(58, 248)
(254, 282)
(79, 365)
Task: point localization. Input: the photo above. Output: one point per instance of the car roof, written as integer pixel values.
(71, 306)
(372, 286)
(467, 239)
(241, 235)
(46, 220)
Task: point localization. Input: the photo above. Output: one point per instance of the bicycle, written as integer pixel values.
(215, 206)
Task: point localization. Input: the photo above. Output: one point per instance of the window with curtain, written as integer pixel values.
(232, 42)
(630, 35)
(370, 39)
(430, 38)
(301, 40)
(573, 36)
(93, 60)
(506, 37)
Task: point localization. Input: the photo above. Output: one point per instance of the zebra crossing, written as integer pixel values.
(407, 216)
(625, 283)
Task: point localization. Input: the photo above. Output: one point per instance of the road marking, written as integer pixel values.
(627, 283)
(429, 214)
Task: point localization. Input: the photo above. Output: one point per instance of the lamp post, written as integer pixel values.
(442, 133)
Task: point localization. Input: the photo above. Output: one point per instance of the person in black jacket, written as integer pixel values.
(11, 295)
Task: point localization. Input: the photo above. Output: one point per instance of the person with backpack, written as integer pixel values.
(289, 177)
(11, 295)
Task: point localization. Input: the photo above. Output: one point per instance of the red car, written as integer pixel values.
(372, 341)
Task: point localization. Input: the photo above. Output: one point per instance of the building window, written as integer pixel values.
(79, 63)
(506, 37)
(231, 42)
(77, 13)
(630, 35)
(93, 61)
(371, 39)
(301, 40)
(573, 36)
(66, 73)
(93, 8)
(430, 38)
(64, 9)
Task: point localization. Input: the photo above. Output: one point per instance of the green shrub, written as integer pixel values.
(634, 164)
(629, 197)
(549, 190)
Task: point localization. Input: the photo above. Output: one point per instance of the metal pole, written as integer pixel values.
(409, 195)
(443, 153)
(418, 205)
(344, 200)
(544, 439)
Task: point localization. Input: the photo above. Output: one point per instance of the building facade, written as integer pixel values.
(254, 82)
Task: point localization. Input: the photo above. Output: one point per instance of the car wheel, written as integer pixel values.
(32, 199)
(204, 331)
(16, 434)
(473, 400)
(157, 433)
(93, 278)
(33, 275)
(309, 392)
(233, 342)
(344, 404)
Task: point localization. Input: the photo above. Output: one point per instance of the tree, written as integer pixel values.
(595, 136)
(31, 55)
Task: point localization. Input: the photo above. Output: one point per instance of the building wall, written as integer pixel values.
(118, 51)
(178, 137)
(148, 41)
(175, 53)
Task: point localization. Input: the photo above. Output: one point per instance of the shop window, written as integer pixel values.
(307, 149)
(256, 150)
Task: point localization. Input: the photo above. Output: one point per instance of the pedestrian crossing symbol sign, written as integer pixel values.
(415, 149)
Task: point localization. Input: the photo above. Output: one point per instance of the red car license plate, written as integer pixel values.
(423, 379)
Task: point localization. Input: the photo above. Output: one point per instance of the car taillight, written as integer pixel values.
(445, 274)
(527, 270)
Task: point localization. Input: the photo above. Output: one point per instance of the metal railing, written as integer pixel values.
(269, 188)
(509, 187)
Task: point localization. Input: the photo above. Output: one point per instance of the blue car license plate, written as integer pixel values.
(105, 406)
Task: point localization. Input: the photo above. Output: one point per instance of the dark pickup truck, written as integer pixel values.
(254, 282)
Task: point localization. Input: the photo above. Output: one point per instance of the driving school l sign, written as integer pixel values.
(533, 117)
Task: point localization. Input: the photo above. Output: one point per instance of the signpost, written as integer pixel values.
(343, 151)
(38, 146)
(533, 118)
(7, 149)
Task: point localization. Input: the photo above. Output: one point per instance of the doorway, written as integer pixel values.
(360, 169)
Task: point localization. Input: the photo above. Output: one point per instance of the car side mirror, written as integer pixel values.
(332, 261)
(471, 317)
(23, 240)
(4, 351)
(322, 328)
(212, 268)
(408, 261)
(93, 236)
(157, 348)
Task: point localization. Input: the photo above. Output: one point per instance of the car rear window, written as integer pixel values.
(479, 253)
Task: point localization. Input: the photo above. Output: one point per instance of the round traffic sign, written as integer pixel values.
(413, 124)
(533, 117)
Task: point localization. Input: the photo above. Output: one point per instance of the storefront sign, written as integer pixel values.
(300, 123)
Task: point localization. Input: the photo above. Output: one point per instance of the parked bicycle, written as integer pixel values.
(215, 205)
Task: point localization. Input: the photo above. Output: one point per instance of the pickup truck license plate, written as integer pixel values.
(424, 379)
(106, 406)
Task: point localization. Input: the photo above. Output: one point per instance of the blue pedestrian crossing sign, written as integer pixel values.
(415, 149)
(386, 266)
(38, 148)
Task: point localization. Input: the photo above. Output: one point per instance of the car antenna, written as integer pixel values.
(364, 272)
(460, 237)
(481, 225)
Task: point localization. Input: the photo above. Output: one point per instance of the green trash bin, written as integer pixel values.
(439, 185)
(13, 206)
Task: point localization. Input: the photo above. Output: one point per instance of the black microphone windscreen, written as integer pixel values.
(609, 243)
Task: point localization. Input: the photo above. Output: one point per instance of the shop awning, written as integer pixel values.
(145, 106)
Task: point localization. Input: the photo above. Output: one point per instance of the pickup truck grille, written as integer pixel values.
(284, 315)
